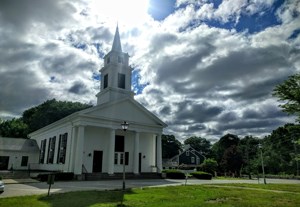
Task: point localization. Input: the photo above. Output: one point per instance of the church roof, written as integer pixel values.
(117, 42)
(111, 114)
(18, 144)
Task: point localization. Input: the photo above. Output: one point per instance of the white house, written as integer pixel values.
(92, 140)
(17, 153)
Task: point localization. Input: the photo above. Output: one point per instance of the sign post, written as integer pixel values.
(50, 181)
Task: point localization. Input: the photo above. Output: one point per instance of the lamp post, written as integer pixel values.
(124, 127)
(262, 163)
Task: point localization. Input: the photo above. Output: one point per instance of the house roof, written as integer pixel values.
(18, 144)
(191, 149)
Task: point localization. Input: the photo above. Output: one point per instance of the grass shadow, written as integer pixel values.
(86, 198)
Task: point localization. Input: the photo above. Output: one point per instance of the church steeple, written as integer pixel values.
(117, 42)
(116, 74)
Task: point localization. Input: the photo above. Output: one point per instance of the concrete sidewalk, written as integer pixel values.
(19, 181)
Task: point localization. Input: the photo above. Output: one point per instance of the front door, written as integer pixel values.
(4, 162)
(140, 162)
(97, 161)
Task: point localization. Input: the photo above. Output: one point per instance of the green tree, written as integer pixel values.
(289, 91)
(200, 144)
(227, 154)
(279, 150)
(49, 112)
(209, 165)
(170, 146)
(38, 117)
(13, 128)
(248, 146)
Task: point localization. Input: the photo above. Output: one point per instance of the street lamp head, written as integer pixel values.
(124, 126)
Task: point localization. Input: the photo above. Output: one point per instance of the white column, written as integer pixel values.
(72, 148)
(79, 151)
(111, 152)
(158, 153)
(136, 153)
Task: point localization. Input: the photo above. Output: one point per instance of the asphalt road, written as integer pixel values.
(19, 189)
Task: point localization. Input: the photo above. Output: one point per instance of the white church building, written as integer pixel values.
(92, 140)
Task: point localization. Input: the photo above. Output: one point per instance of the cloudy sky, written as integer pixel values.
(205, 67)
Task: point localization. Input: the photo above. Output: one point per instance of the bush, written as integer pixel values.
(58, 177)
(202, 175)
(174, 174)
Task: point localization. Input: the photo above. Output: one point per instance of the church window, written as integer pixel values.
(121, 80)
(105, 82)
(62, 148)
(116, 158)
(187, 153)
(120, 59)
(119, 158)
(51, 149)
(108, 60)
(24, 161)
(42, 151)
(192, 159)
(119, 144)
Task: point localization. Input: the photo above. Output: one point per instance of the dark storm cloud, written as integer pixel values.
(228, 117)
(14, 54)
(248, 124)
(19, 91)
(21, 15)
(66, 63)
(160, 41)
(175, 70)
(166, 110)
(199, 113)
(78, 88)
(261, 89)
(266, 111)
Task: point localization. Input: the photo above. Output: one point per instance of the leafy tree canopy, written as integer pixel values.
(170, 146)
(38, 117)
(13, 128)
(200, 144)
(289, 91)
(49, 112)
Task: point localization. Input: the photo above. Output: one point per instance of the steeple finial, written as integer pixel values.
(117, 43)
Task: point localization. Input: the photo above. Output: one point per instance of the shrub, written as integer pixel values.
(174, 174)
(202, 175)
(58, 176)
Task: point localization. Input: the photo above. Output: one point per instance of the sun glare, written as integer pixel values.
(127, 12)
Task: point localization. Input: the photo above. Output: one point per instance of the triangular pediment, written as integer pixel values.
(126, 109)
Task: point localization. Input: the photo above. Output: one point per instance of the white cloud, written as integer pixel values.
(203, 81)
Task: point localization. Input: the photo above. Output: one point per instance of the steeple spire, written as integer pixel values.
(117, 43)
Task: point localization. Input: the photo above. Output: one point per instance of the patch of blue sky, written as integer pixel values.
(259, 21)
(160, 9)
(98, 46)
(137, 86)
(96, 76)
(250, 23)
(79, 45)
(295, 34)
(52, 79)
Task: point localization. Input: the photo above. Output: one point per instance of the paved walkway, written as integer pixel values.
(32, 187)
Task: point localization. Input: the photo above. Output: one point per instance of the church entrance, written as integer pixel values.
(4, 162)
(140, 162)
(97, 161)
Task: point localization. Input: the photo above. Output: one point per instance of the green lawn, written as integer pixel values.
(253, 195)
